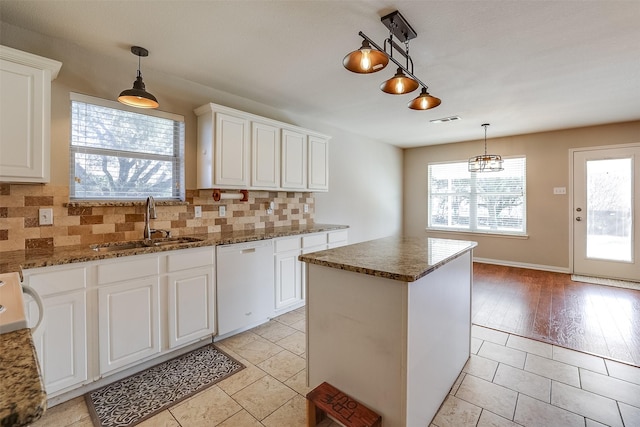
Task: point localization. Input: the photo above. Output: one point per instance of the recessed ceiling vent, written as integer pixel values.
(446, 119)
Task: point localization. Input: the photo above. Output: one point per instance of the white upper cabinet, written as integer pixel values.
(265, 156)
(223, 149)
(231, 151)
(241, 150)
(25, 115)
(294, 160)
(318, 179)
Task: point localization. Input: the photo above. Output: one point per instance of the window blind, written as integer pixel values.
(118, 153)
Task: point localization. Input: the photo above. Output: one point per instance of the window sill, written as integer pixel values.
(478, 233)
(97, 203)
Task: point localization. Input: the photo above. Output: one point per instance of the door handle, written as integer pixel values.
(578, 218)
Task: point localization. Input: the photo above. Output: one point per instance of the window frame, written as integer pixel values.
(473, 206)
(177, 158)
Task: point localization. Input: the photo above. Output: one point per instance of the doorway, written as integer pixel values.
(606, 212)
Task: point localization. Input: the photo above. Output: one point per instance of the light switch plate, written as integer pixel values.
(222, 210)
(45, 216)
(197, 211)
(559, 190)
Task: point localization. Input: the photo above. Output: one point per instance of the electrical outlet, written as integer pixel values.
(269, 211)
(222, 210)
(306, 208)
(197, 211)
(559, 190)
(45, 216)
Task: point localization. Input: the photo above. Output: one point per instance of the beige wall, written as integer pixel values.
(548, 215)
(351, 200)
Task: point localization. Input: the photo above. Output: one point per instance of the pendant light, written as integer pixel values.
(138, 96)
(365, 60)
(424, 101)
(399, 84)
(371, 58)
(485, 162)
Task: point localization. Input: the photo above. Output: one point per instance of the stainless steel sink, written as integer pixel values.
(136, 244)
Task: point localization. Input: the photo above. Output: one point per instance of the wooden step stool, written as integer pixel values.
(327, 400)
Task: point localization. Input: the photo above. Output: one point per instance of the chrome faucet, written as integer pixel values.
(149, 213)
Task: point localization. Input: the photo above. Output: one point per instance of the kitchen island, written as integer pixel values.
(389, 323)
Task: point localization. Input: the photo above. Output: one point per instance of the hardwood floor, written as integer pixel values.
(550, 307)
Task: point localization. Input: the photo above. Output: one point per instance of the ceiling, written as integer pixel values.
(523, 66)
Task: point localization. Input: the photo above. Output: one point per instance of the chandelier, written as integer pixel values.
(371, 58)
(485, 162)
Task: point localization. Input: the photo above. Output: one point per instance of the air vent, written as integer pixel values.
(446, 119)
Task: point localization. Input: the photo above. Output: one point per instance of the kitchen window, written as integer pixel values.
(479, 202)
(118, 152)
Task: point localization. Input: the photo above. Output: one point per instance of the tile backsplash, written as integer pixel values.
(87, 223)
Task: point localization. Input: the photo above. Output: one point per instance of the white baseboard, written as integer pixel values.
(551, 268)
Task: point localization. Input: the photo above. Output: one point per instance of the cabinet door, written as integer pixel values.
(61, 340)
(231, 151)
(128, 322)
(318, 163)
(288, 279)
(265, 156)
(294, 160)
(191, 306)
(24, 123)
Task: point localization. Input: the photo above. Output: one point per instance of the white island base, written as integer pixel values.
(396, 346)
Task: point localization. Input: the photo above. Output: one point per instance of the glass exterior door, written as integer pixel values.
(605, 213)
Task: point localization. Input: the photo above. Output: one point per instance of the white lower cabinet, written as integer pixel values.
(129, 322)
(62, 346)
(191, 313)
(61, 339)
(102, 317)
(288, 273)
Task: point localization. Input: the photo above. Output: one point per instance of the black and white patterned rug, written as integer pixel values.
(131, 400)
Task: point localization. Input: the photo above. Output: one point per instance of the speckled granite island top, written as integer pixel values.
(405, 259)
(22, 396)
(12, 261)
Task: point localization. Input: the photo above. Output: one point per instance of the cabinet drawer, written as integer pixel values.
(285, 245)
(125, 270)
(314, 240)
(338, 236)
(189, 258)
(53, 282)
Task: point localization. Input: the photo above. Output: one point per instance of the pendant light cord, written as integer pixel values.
(485, 137)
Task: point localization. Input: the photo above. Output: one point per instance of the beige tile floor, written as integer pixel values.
(508, 381)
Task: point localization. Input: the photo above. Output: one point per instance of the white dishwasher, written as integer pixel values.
(245, 289)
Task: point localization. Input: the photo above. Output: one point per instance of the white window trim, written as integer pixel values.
(118, 106)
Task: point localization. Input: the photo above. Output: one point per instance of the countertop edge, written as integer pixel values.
(28, 400)
(83, 253)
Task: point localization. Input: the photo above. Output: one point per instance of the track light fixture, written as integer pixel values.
(485, 162)
(138, 96)
(371, 58)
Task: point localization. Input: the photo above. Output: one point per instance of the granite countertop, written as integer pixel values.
(16, 260)
(22, 396)
(405, 259)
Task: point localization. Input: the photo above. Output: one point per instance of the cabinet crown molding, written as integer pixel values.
(31, 60)
(211, 107)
